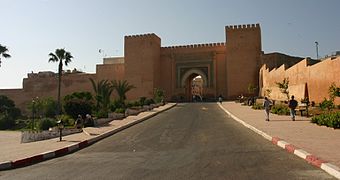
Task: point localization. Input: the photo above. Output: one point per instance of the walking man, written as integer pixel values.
(267, 105)
(292, 104)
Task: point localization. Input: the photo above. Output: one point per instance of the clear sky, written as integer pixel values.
(31, 29)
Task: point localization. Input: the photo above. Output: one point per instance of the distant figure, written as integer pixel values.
(79, 122)
(220, 99)
(292, 104)
(267, 106)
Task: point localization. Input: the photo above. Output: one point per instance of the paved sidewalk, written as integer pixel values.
(321, 141)
(15, 154)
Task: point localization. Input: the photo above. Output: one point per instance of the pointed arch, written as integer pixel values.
(194, 71)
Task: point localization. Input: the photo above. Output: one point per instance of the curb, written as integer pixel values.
(73, 147)
(311, 159)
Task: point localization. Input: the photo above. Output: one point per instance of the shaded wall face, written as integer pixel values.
(142, 55)
(243, 47)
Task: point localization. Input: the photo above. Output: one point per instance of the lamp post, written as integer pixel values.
(34, 110)
(33, 113)
(317, 49)
(60, 128)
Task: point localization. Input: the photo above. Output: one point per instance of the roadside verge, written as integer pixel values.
(312, 159)
(82, 144)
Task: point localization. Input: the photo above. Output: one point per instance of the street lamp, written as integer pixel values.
(317, 49)
(33, 113)
(60, 128)
(34, 101)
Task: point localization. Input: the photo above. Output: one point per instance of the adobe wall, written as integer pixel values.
(305, 80)
(110, 72)
(177, 60)
(243, 51)
(142, 65)
(47, 86)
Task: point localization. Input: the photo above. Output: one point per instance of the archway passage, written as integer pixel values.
(194, 88)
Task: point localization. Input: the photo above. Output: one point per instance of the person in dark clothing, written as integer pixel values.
(292, 104)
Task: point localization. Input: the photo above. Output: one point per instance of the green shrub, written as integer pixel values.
(129, 105)
(116, 104)
(257, 106)
(327, 104)
(6, 122)
(142, 100)
(74, 107)
(46, 123)
(158, 95)
(328, 119)
(120, 110)
(8, 110)
(149, 101)
(280, 109)
(66, 119)
(78, 103)
(101, 113)
(136, 104)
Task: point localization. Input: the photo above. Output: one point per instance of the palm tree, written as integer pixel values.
(60, 56)
(122, 87)
(3, 52)
(103, 91)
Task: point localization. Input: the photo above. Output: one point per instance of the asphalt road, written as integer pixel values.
(189, 141)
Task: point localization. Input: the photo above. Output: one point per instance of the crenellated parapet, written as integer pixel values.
(243, 27)
(142, 36)
(207, 45)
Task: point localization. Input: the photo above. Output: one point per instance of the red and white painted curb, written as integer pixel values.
(311, 159)
(73, 147)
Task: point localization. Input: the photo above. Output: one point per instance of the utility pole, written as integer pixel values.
(317, 49)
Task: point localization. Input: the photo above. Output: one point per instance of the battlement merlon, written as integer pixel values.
(196, 46)
(242, 27)
(143, 36)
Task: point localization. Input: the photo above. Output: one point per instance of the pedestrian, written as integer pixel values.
(292, 104)
(79, 122)
(267, 106)
(220, 98)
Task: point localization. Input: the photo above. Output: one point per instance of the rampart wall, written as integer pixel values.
(47, 86)
(306, 79)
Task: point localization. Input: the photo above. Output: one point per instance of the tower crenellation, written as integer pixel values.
(142, 36)
(243, 27)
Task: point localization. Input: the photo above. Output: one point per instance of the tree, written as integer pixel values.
(122, 87)
(78, 103)
(252, 88)
(62, 57)
(158, 95)
(44, 107)
(283, 86)
(267, 92)
(103, 91)
(3, 53)
(8, 112)
(333, 92)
